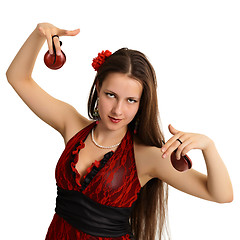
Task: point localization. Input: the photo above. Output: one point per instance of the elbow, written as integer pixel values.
(8, 75)
(11, 75)
(225, 199)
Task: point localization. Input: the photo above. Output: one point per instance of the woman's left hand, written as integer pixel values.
(189, 141)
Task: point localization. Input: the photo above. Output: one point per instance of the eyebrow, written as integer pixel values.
(117, 95)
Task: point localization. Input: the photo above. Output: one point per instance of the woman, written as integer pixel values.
(114, 168)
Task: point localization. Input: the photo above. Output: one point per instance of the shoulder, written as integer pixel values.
(74, 125)
(146, 156)
(147, 150)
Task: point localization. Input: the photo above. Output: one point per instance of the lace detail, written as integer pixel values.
(113, 181)
(95, 167)
(74, 160)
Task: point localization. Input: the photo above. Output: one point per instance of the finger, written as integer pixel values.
(57, 45)
(63, 32)
(49, 42)
(172, 145)
(172, 130)
(180, 151)
(171, 141)
(73, 32)
(188, 148)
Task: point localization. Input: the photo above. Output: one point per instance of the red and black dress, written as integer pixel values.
(99, 208)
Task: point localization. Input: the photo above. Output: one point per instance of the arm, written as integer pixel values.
(54, 112)
(22, 66)
(218, 180)
(216, 186)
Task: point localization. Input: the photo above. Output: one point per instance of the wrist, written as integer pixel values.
(38, 33)
(210, 144)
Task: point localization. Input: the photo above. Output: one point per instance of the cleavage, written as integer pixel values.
(88, 155)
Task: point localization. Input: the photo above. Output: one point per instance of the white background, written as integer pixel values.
(194, 48)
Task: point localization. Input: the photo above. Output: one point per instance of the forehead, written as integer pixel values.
(122, 84)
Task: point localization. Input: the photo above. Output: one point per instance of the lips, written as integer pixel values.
(114, 120)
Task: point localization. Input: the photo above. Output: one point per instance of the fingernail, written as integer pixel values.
(163, 149)
(164, 155)
(51, 52)
(58, 53)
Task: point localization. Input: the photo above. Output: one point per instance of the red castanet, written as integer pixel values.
(183, 164)
(54, 61)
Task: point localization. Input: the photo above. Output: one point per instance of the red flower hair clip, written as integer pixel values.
(100, 59)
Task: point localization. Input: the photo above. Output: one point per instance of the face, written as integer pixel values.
(119, 98)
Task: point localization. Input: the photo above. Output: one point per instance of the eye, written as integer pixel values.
(133, 101)
(108, 94)
(111, 95)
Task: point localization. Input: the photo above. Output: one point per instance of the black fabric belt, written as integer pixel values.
(91, 217)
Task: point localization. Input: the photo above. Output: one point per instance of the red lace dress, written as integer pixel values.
(116, 184)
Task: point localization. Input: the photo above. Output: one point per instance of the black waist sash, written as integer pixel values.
(91, 217)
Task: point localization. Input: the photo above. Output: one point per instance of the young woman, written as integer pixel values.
(113, 174)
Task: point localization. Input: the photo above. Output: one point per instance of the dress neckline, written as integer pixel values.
(88, 132)
(96, 166)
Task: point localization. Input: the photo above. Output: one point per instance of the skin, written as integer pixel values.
(119, 97)
(216, 186)
(151, 161)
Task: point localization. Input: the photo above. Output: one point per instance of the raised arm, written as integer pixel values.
(216, 186)
(19, 74)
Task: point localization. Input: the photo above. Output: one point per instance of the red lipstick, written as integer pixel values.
(114, 120)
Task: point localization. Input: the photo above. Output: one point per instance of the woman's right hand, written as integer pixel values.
(48, 30)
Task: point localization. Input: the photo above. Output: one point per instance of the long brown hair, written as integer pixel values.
(148, 216)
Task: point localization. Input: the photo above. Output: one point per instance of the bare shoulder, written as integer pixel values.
(74, 124)
(146, 157)
(149, 159)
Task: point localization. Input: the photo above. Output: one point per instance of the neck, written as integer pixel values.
(106, 137)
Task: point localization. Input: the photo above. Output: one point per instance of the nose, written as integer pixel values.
(117, 109)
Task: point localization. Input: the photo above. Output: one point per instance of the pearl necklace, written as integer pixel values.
(103, 146)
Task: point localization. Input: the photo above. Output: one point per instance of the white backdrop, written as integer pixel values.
(194, 48)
